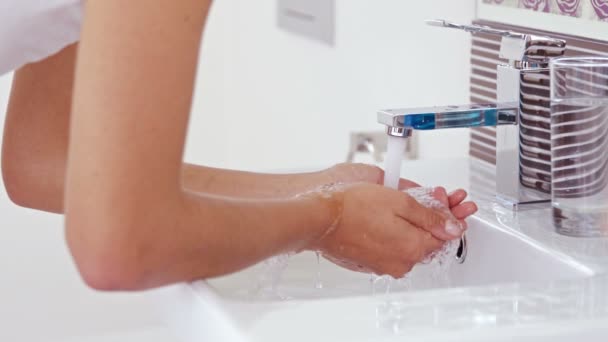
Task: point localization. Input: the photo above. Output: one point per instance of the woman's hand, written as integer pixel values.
(385, 231)
(349, 173)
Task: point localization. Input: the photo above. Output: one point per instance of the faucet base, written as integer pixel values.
(513, 205)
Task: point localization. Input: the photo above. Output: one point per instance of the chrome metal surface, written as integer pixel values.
(474, 28)
(520, 115)
(515, 46)
(470, 115)
(461, 254)
(402, 132)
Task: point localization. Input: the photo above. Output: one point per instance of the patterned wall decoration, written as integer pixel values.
(586, 9)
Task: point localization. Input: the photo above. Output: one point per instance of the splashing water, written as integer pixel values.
(267, 283)
(381, 284)
(439, 262)
(431, 272)
(434, 268)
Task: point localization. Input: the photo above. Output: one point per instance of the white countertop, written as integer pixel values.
(142, 334)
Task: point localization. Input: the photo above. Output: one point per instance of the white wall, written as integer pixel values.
(269, 99)
(266, 99)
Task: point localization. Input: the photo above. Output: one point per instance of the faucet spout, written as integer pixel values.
(521, 147)
(472, 115)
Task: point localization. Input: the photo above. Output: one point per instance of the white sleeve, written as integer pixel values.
(31, 30)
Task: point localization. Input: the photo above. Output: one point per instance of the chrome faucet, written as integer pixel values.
(521, 115)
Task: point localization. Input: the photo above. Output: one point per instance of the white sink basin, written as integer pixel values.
(516, 271)
(508, 284)
(494, 255)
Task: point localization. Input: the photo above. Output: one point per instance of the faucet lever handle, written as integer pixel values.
(514, 46)
(473, 29)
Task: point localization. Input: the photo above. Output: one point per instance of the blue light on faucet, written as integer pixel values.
(428, 121)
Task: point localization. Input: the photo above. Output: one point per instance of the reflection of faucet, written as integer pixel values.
(521, 115)
(375, 143)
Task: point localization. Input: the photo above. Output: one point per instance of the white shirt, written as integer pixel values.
(31, 30)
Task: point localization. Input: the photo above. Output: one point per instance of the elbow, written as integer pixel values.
(104, 277)
(27, 189)
(109, 276)
(106, 263)
(15, 186)
(116, 237)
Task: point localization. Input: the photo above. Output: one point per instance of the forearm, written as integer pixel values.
(35, 140)
(39, 183)
(242, 184)
(191, 237)
(238, 233)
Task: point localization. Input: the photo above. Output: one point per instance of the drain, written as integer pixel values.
(461, 253)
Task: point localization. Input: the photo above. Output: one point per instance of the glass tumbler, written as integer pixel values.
(579, 145)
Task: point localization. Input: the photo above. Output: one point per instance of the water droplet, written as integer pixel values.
(319, 282)
(381, 284)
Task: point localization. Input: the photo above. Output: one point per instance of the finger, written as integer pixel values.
(456, 197)
(464, 210)
(431, 220)
(441, 195)
(405, 184)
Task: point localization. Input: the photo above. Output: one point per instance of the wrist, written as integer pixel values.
(355, 173)
(328, 206)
